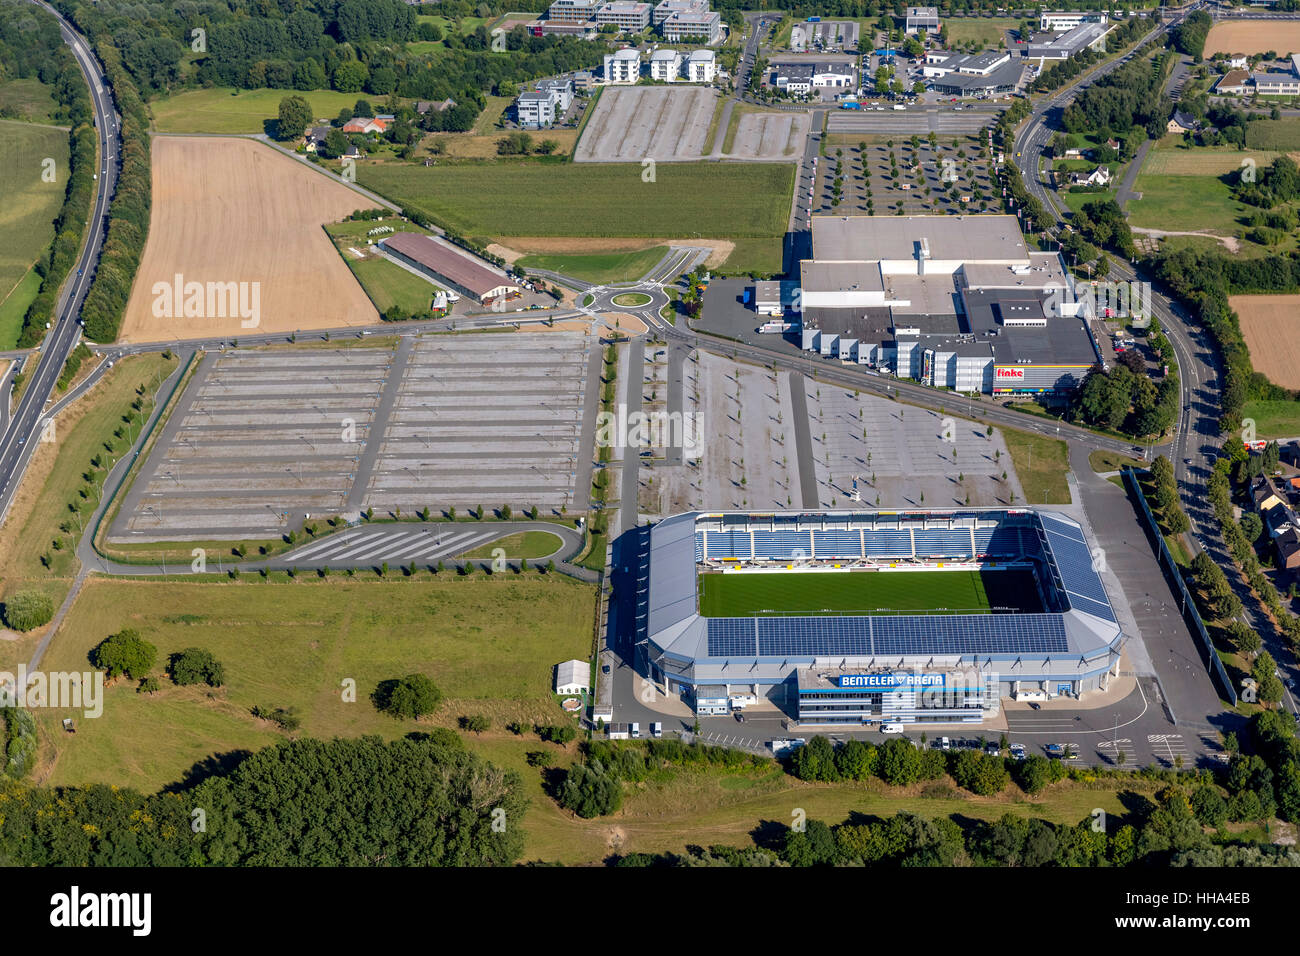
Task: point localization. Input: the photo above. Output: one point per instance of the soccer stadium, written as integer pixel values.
(874, 616)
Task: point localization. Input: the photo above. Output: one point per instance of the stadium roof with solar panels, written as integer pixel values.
(747, 597)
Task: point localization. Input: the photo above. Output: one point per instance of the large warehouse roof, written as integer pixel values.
(979, 238)
(448, 262)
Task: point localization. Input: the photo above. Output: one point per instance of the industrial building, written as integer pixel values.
(449, 266)
(922, 18)
(803, 78)
(1054, 21)
(955, 302)
(869, 666)
(1066, 45)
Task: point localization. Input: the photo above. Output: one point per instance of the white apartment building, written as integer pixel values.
(623, 66)
(666, 65)
(702, 66)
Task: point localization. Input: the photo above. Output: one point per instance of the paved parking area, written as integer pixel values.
(664, 123)
(769, 135)
(944, 121)
(262, 439)
(743, 418)
(902, 456)
(488, 420)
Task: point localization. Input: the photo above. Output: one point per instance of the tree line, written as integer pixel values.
(128, 225)
(423, 800)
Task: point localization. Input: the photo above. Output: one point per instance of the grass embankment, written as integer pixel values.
(601, 269)
(27, 213)
(56, 478)
(1274, 419)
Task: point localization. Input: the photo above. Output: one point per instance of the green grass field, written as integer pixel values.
(1282, 134)
(1041, 465)
(599, 268)
(1182, 190)
(293, 645)
(1274, 419)
(14, 307)
(985, 32)
(721, 200)
(225, 110)
(386, 283)
(30, 204)
(828, 592)
(29, 99)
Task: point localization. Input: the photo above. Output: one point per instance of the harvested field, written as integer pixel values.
(1253, 36)
(234, 211)
(1270, 324)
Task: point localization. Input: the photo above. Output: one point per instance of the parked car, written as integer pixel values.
(891, 728)
(1018, 751)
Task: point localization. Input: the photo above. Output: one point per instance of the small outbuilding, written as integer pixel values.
(573, 677)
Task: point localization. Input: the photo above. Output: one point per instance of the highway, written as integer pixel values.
(25, 426)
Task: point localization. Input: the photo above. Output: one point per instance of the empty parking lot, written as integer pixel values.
(662, 123)
(259, 440)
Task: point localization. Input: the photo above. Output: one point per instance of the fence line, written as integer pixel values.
(1193, 616)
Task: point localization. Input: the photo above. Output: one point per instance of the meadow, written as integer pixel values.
(750, 200)
(28, 211)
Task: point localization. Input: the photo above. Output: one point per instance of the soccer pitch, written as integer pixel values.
(870, 592)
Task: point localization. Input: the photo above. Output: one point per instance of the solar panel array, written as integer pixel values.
(1074, 562)
(868, 636)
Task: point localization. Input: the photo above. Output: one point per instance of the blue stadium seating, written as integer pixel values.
(782, 545)
(888, 544)
(946, 544)
(837, 544)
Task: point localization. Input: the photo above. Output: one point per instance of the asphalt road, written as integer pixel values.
(17, 445)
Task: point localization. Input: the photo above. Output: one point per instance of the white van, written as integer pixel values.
(945, 743)
(891, 728)
(656, 730)
(634, 731)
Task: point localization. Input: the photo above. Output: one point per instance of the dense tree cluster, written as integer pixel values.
(28, 609)
(420, 801)
(1190, 35)
(1131, 95)
(1121, 400)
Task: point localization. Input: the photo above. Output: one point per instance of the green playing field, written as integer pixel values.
(867, 592)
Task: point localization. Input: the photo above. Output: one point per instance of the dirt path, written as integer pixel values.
(1229, 243)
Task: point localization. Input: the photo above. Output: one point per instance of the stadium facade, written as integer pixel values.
(876, 666)
(955, 302)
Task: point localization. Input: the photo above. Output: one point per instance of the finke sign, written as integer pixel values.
(1003, 374)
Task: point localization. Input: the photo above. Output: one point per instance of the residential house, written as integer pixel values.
(365, 124)
(426, 106)
(1181, 122)
(1098, 177)
(315, 137)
